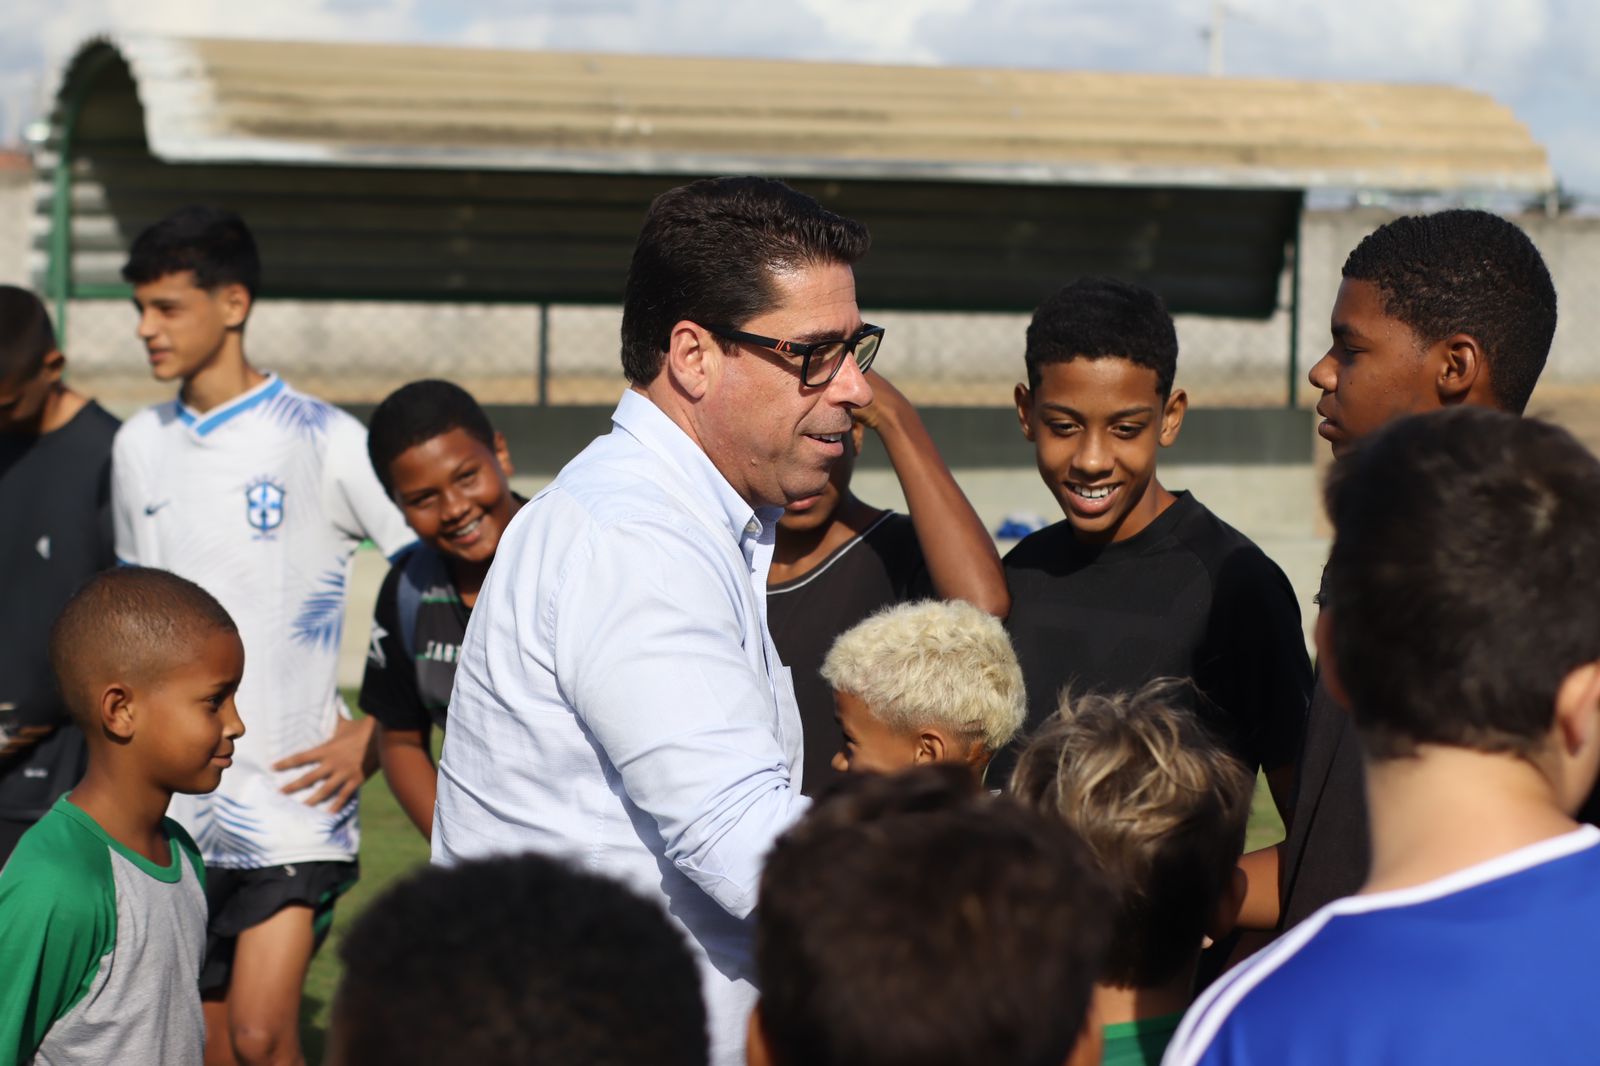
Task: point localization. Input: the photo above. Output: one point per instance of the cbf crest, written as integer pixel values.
(264, 506)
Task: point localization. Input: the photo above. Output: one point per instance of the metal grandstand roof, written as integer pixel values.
(347, 105)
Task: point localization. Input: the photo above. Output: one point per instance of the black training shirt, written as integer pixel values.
(1188, 596)
(412, 690)
(882, 566)
(55, 533)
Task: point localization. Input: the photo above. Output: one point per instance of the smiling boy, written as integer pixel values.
(102, 907)
(445, 466)
(1139, 582)
(261, 495)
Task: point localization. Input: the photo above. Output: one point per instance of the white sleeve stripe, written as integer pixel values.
(1203, 1020)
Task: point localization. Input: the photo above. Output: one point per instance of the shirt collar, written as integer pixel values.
(650, 426)
(202, 423)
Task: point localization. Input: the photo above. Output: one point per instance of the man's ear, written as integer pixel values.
(115, 712)
(1172, 416)
(502, 454)
(1022, 396)
(1327, 662)
(236, 302)
(694, 360)
(931, 747)
(1460, 369)
(757, 1052)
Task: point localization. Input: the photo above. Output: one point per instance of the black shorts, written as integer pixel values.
(242, 899)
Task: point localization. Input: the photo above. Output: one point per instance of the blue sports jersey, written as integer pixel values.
(1498, 963)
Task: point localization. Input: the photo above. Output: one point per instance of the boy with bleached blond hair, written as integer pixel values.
(1163, 807)
(924, 682)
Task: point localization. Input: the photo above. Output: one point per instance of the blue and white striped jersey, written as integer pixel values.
(262, 502)
(1494, 964)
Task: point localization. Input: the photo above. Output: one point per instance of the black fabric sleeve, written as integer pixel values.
(1253, 664)
(389, 686)
(903, 558)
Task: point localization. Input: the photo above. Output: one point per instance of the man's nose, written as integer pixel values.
(849, 386)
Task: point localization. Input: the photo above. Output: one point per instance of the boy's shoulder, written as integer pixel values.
(59, 870)
(1512, 938)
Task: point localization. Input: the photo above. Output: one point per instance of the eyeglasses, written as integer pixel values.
(819, 361)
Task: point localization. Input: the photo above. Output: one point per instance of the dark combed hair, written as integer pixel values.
(216, 245)
(517, 960)
(1462, 581)
(131, 624)
(707, 254)
(419, 412)
(26, 335)
(1103, 318)
(910, 919)
(1162, 805)
(1472, 272)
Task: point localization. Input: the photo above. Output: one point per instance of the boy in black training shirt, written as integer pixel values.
(1139, 582)
(838, 559)
(1433, 312)
(446, 468)
(55, 494)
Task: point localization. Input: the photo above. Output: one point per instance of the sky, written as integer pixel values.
(1540, 57)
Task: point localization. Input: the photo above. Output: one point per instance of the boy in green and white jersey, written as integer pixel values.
(102, 904)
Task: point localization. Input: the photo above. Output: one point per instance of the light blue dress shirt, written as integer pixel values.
(618, 699)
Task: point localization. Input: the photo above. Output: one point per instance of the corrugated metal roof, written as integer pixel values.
(219, 100)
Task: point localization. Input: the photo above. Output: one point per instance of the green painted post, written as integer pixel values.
(59, 273)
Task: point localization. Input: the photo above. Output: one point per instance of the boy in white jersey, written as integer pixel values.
(1460, 627)
(260, 495)
(102, 905)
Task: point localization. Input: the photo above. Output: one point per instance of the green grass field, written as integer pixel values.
(391, 845)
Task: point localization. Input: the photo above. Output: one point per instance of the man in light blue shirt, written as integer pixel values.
(618, 699)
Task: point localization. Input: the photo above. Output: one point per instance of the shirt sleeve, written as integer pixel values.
(54, 930)
(126, 501)
(355, 498)
(1253, 663)
(648, 636)
(389, 685)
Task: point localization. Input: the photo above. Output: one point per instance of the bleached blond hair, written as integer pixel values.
(1161, 803)
(933, 663)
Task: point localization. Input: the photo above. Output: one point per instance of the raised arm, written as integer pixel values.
(961, 557)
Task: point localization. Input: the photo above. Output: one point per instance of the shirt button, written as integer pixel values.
(752, 527)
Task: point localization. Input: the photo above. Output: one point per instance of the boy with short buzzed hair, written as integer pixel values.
(924, 682)
(55, 493)
(1163, 808)
(261, 494)
(447, 469)
(1461, 629)
(911, 918)
(102, 905)
(1433, 311)
(1139, 582)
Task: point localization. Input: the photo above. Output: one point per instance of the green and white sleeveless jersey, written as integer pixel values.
(102, 947)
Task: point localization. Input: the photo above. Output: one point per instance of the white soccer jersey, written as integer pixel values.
(261, 502)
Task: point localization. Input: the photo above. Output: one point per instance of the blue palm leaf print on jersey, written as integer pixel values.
(308, 416)
(321, 618)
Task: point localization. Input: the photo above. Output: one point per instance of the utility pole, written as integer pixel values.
(1219, 13)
